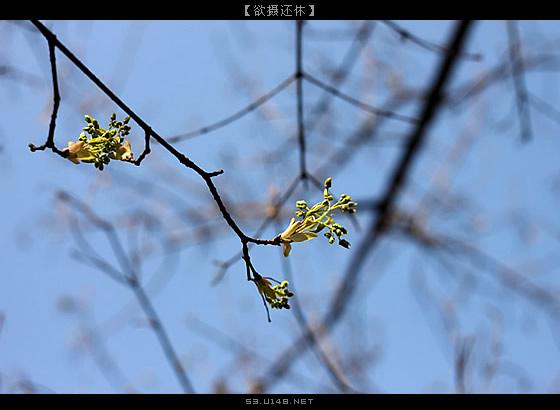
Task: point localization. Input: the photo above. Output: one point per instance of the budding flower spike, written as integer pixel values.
(317, 218)
(103, 145)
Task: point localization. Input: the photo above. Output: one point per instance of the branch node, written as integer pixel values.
(215, 173)
(34, 148)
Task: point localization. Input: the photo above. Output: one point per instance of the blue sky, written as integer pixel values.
(180, 75)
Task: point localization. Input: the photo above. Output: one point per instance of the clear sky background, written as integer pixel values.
(181, 75)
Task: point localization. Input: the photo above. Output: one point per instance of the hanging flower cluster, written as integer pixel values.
(277, 295)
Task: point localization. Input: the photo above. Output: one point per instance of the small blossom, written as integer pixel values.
(297, 231)
(124, 153)
(320, 216)
(79, 151)
(277, 296)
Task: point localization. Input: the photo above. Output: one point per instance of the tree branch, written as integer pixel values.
(396, 183)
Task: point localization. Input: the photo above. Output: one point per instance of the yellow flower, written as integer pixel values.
(83, 151)
(296, 232)
(265, 288)
(78, 151)
(124, 153)
(277, 296)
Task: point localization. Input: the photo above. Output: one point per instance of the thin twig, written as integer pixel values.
(339, 76)
(225, 265)
(335, 374)
(464, 347)
(406, 35)
(299, 95)
(545, 107)
(470, 88)
(236, 116)
(56, 103)
(231, 345)
(522, 98)
(360, 104)
(146, 151)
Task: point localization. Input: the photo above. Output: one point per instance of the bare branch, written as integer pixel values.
(236, 116)
(406, 35)
(362, 105)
